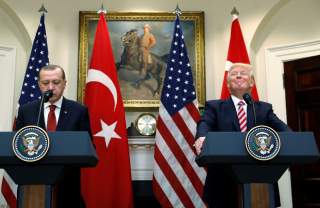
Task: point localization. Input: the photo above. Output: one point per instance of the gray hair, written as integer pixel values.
(51, 67)
(242, 65)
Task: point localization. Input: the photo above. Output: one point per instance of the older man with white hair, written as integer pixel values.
(228, 115)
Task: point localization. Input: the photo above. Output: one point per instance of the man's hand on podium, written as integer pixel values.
(198, 144)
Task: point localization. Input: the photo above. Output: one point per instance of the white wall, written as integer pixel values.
(296, 21)
(7, 69)
(62, 21)
(292, 23)
(264, 24)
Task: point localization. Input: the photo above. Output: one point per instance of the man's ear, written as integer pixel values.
(252, 81)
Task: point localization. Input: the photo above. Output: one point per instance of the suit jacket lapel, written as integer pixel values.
(63, 115)
(232, 114)
(250, 118)
(41, 122)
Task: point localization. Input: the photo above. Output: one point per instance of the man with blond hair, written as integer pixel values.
(223, 115)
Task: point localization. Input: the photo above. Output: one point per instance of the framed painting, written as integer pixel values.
(126, 30)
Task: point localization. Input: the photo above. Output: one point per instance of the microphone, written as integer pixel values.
(247, 98)
(44, 98)
(47, 95)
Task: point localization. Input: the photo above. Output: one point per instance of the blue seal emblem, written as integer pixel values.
(30, 143)
(263, 143)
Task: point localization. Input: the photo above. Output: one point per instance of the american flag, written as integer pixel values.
(30, 92)
(177, 179)
(38, 58)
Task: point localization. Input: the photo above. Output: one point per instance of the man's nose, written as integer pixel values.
(51, 86)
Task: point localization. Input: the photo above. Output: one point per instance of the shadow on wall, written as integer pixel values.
(18, 26)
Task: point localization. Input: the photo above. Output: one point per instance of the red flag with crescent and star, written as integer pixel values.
(237, 53)
(109, 183)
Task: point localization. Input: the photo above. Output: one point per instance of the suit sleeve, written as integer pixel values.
(275, 122)
(85, 122)
(207, 122)
(19, 121)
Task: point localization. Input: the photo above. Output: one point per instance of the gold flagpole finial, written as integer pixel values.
(102, 9)
(234, 11)
(43, 9)
(177, 11)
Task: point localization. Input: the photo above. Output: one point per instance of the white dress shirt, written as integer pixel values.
(46, 110)
(236, 101)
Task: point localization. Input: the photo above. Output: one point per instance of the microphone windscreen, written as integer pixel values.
(247, 98)
(47, 95)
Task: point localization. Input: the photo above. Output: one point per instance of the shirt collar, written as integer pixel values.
(236, 100)
(58, 103)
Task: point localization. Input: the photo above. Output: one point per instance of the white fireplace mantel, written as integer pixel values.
(141, 157)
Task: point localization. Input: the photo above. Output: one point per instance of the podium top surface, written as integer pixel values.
(229, 148)
(71, 148)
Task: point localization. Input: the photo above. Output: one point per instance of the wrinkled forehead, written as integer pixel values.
(240, 68)
(51, 74)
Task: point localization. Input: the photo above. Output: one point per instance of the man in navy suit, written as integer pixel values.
(222, 115)
(69, 116)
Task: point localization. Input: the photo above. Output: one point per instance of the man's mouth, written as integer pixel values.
(239, 83)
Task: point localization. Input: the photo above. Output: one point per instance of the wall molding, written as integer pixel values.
(275, 57)
(8, 66)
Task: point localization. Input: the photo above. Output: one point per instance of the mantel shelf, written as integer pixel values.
(141, 157)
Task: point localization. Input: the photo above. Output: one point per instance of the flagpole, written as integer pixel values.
(43, 9)
(102, 9)
(234, 11)
(177, 180)
(177, 10)
(36, 61)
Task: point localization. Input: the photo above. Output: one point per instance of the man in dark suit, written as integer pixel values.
(223, 115)
(58, 114)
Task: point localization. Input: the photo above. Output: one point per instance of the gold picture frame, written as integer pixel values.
(120, 24)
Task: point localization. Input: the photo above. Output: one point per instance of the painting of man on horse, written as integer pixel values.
(139, 67)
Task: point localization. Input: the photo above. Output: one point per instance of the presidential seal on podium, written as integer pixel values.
(262, 143)
(31, 143)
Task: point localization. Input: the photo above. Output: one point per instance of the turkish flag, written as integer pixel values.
(237, 53)
(109, 183)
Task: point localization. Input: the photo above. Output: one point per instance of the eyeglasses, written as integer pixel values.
(238, 74)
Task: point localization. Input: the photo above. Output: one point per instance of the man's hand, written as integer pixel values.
(198, 144)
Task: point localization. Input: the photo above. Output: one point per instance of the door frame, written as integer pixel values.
(8, 55)
(274, 58)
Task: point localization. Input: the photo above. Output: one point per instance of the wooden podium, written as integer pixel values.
(229, 148)
(67, 149)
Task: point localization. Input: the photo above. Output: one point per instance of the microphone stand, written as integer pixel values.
(249, 101)
(44, 98)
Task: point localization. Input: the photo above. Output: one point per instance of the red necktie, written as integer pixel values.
(242, 117)
(52, 122)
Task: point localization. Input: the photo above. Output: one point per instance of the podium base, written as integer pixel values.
(36, 196)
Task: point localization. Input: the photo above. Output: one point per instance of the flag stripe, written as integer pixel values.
(177, 136)
(8, 193)
(168, 198)
(176, 127)
(173, 175)
(194, 112)
(182, 126)
(179, 180)
(180, 156)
